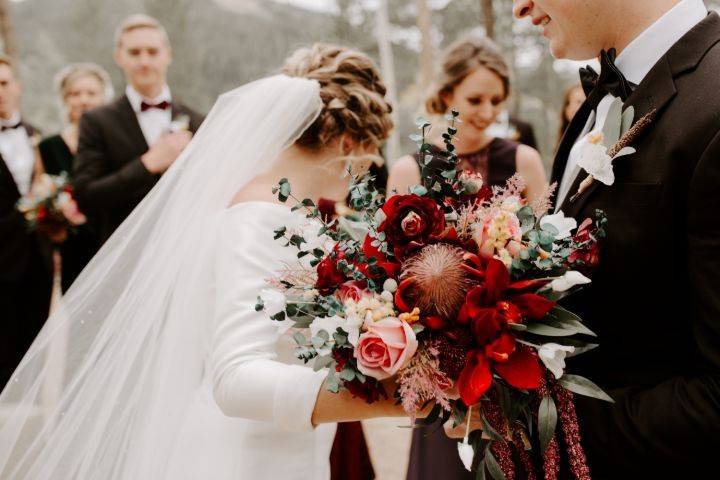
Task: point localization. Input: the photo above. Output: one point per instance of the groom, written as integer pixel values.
(125, 146)
(655, 297)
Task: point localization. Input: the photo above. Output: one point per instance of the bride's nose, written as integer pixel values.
(522, 8)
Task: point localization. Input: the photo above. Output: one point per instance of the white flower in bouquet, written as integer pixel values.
(512, 204)
(564, 225)
(553, 356)
(330, 325)
(568, 281)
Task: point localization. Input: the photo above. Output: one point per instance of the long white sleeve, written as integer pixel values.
(248, 381)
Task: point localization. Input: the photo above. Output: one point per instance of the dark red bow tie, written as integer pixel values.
(10, 127)
(145, 106)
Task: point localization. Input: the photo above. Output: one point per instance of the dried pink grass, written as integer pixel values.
(422, 381)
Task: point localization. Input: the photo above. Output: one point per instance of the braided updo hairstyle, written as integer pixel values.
(352, 92)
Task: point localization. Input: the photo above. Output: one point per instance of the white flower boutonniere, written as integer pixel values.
(601, 148)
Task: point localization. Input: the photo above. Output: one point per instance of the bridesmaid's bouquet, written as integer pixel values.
(49, 207)
(452, 290)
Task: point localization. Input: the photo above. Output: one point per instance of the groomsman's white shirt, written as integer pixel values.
(635, 62)
(153, 122)
(18, 153)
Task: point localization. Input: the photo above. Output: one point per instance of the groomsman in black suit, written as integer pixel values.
(655, 297)
(126, 145)
(25, 273)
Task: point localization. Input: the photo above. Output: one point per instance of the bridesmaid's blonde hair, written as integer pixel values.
(352, 92)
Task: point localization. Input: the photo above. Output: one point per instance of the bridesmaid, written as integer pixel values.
(81, 87)
(475, 81)
(572, 100)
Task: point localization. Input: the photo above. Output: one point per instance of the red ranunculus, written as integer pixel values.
(329, 277)
(496, 302)
(411, 221)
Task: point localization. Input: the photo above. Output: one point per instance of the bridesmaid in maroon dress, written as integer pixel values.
(475, 81)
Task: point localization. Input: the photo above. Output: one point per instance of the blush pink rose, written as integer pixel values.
(385, 348)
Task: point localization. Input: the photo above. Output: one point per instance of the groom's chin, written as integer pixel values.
(562, 51)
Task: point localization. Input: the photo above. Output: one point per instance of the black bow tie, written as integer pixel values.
(145, 106)
(610, 81)
(10, 127)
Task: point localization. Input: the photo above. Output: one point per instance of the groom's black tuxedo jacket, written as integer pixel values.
(655, 297)
(108, 176)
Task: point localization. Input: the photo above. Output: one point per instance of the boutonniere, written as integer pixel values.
(180, 123)
(600, 149)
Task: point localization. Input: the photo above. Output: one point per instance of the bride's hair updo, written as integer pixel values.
(461, 59)
(352, 92)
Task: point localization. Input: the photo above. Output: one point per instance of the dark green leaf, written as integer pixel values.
(493, 466)
(549, 331)
(583, 386)
(490, 431)
(547, 421)
(278, 317)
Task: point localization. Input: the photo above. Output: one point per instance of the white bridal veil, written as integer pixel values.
(103, 389)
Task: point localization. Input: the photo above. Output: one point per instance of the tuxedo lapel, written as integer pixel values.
(656, 91)
(7, 179)
(129, 120)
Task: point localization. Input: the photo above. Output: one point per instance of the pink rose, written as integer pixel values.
(385, 348)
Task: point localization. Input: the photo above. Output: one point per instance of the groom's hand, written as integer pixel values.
(165, 151)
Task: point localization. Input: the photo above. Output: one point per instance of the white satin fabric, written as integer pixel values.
(251, 417)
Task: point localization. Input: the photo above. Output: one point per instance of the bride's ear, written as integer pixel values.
(347, 145)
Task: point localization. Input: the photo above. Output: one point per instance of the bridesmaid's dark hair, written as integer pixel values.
(460, 60)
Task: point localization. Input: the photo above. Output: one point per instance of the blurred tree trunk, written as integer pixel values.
(387, 66)
(488, 17)
(6, 31)
(427, 52)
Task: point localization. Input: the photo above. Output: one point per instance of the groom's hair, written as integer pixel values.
(138, 21)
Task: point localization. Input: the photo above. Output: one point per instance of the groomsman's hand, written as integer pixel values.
(165, 151)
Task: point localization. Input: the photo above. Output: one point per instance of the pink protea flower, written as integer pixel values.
(434, 281)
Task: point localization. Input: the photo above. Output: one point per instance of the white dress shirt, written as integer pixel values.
(18, 153)
(153, 122)
(635, 62)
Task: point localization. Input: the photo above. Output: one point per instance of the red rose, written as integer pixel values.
(329, 277)
(411, 220)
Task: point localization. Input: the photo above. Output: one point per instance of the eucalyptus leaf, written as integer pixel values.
(332, 382)
(583, 386)
(322, 362)
(347, 374)
(547, 421)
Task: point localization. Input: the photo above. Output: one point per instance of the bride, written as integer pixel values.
(167, 371)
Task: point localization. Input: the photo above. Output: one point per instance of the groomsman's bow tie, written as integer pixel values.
(10, 127)
(145, 106)
(611, 80)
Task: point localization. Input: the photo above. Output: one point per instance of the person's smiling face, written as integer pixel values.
(572, 26)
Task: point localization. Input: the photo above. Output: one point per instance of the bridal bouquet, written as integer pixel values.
(452, 291)
(50, 207)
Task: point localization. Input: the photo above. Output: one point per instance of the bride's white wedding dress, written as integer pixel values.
(155, 365)
(251, 372)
